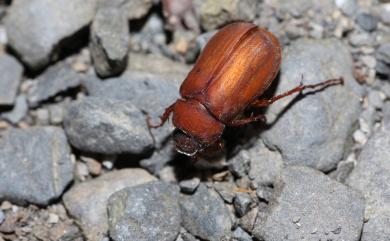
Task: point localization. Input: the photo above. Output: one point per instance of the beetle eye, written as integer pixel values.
(185, 144)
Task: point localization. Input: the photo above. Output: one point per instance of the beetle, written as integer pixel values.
(235, 68)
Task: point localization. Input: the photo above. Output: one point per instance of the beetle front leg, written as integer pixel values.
(241, 122)
(301, 87)
(163, 118)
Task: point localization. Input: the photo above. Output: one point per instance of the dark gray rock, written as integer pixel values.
(323, 120)
(145, 212)
(242, 203)
(109, 41)
(54, 80)
(383, 53)
(155, 163)
(133, 9)
(18, 112)
(35, 164)
(311, 206)
(35, 28)
(240, 235)
(382, 68)
(205, 215)
(11, 74)
(189, 186)
(107, 126)
(372, 177)
(367, 21)
(93, 219)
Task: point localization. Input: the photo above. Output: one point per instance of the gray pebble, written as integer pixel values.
(145, 212)
(225, 190)
(35, 164)
(372, 177)
(42, 116)
(18, 112)
(361, 39)
(240, 235)
(348, 7)
(93, 219)
(160, 158)
(383, 53)
(189, 186)
(11, 74)
(33, 27)
(242, 202)
(107, 126)
(205, 215)
(382, 68)
(134, 9)
(109, 41)
(2, 216)
(321, 121)
(308, 200)
(57, 113)
(367, 21)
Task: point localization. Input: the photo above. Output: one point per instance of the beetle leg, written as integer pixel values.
(163, 118)
(324, 84)
(241, 122)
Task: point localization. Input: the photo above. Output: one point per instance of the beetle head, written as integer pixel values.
(186, 144)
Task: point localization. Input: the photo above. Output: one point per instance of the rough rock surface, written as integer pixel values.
(93, 217)
(145, 212)
(309, 205)
(133, 9)
(11, 74)
(35, 165)
(323, 120)
(35, 28)
(107, 126)
(372, 177)
(18, 111)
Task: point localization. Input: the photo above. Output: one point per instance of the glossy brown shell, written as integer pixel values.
(236, 67)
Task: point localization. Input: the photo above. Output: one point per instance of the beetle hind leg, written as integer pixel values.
(163, 118)
(241, 122)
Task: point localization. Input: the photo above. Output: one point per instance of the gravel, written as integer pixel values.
(107, 126)
(109, 41)
(242, 202)
(93, 219)
(145, 212)
(35, 164)
(11, 74)
(322, 121)
(309, 205)
(189, 186)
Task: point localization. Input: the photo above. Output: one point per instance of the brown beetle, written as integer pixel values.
(235, 68)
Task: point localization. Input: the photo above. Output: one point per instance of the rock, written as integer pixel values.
(145, 212)
(247, 222)
(35, 164)
(109, 41)
(348, 7)
(225, 190)
(107, 126)
(160, 157)
(11, 75)
(34, 31)
(134, 9)
(382, 68)
(57, 113)
(311, 206)
(239, 164)
(214, 14)
(298, 8)
(313, 130)
(2, 216)
(242, 203)
(383, 53)
(56, 79)
(372, 177)
(205, 215)
(240, 235)
(367, 21)
(93, 219)
(361, 39)
(18, 112)
(189, 186)
(42, 116)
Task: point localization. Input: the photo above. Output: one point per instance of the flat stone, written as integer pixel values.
(11, 74)
(313, 130)
(107, 126)
(240, 235)
(145, 212)
(56, 79)
(189, 186)
(34, 31)
(242, 202)
(93, 219)
(309, 205)
(372, 177)
(18, 112)
(35, 164)
(367, 21)
(205, 215)
(134, 9)
(109, 41)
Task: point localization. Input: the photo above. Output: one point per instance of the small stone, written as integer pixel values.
(160, 158)
(382, 68)
(134, 9)
(247, 222)
(145, 212)
(359, 137)
(374, 99)
(205, 215)
(81, 170)
(264, 193)
(56, 113)
(6, 205)
(109, 41)
(348, 7)
(367, 21)
(35, 164)
(107, 126)
(242, 203)
(189, 186)
(11, 74)
(368, 61)
(240, 235)
(53, 218)
(225, 190)
(361, 39)
(239, 164)
(94, 167)
(18, 112)
(93, 219)
(383, 53)
(42, 116)
(56, 79)
(2, 216)
(167, 174)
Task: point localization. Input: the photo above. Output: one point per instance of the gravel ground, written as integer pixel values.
(77, 161)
